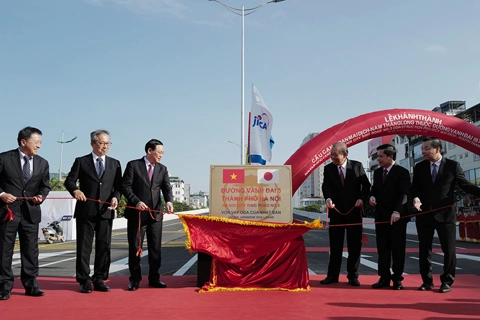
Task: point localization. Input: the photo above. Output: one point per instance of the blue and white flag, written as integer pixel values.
(261, 123)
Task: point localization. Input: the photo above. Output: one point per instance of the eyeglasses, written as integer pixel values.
(427, 148)
(104, 143)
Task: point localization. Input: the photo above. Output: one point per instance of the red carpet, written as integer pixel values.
(181, 300)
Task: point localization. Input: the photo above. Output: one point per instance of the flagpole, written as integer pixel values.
(241, 12)
(242, 142)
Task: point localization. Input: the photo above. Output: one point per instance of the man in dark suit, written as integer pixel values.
(389, 196)
(144, 180)
(24, 185)
(345, 188)
(94, 176)
(433, 186)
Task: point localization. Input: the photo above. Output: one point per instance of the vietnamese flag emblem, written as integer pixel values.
(233, 176)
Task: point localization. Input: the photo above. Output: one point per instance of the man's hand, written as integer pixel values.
(78, 194)
(7, 197)
(113, 204)
(372, 201)
(329, 204)
(170, 207)
(37, 199)
(359, 203)
(394, 217)
(417, 204)
(141, 206)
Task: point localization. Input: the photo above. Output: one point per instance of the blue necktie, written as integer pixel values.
(26, 169)
(100, 168)
(434, 172)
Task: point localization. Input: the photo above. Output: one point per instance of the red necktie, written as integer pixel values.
(342, 178)
(150, 171)
(385, 172)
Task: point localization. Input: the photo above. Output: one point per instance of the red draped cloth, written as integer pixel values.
(248, 255)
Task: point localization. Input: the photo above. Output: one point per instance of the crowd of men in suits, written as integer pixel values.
(96, 182)
(24, 185)
(346, 190)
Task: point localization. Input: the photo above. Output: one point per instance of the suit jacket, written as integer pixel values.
(136, 186)
(356, 186)
(391, 195)
(105, 188)
(441, 192)
(11, 181)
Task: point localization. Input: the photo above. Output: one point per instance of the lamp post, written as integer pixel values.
(243, 12)
(62, 142)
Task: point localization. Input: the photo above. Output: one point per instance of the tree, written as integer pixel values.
(180, 206)
(57, 184)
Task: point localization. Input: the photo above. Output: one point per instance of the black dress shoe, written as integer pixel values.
(381, 284)
(329, 280)
(397, 285)
(444, 288)
(34, 292)
(86, 287)
(354, 282)
(133, 286)
(4, 295)
(426, 286)
(157, 284)
(101, 286)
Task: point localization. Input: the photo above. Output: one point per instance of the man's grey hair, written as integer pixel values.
(94, 135)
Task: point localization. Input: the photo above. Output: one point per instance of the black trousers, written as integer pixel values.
(28, 236)
(354, 246)
(391, 249)
(101, 229)
(447, 235)
(136, 235)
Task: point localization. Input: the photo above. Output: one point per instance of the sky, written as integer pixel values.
(171, 70)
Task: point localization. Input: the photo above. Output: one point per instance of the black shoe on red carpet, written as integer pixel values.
(157, 284)
(381, 283)
(329, 280)
(100, 286)
(86, 287)
(133, 286)
(426, 286)
(397, 285)
(34, 292)
(444, 288)
(354, 282)
(4, 295)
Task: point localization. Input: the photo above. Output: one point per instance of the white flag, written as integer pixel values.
(268, 176)
(261, 123)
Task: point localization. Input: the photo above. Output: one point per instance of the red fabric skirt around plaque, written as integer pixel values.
(249, 255)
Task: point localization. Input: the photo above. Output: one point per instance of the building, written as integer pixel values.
(199, 200)
(178, 189)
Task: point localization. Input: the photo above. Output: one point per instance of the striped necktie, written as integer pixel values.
(27, 174)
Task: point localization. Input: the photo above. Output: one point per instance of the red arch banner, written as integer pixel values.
(380, 123)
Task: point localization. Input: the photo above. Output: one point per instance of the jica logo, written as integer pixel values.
(261, 121)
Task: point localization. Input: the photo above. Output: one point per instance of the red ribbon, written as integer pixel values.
(9, 216)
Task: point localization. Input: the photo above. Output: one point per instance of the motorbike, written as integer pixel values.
(53, 232)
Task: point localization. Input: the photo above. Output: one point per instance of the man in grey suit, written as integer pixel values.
(24, 185)
(433, 187)
(144, 180)
(345, 187)
(94, 177)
